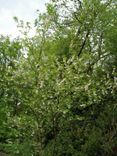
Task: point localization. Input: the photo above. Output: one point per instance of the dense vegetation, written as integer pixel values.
(58, 89)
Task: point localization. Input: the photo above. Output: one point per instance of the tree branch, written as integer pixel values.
(84, 43)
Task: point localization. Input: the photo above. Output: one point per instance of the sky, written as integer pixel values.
(23, 9)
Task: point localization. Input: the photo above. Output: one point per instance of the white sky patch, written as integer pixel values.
(23, 9)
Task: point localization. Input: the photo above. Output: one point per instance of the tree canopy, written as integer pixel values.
(58, 89)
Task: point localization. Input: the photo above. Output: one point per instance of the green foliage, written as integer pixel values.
(58, 89)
